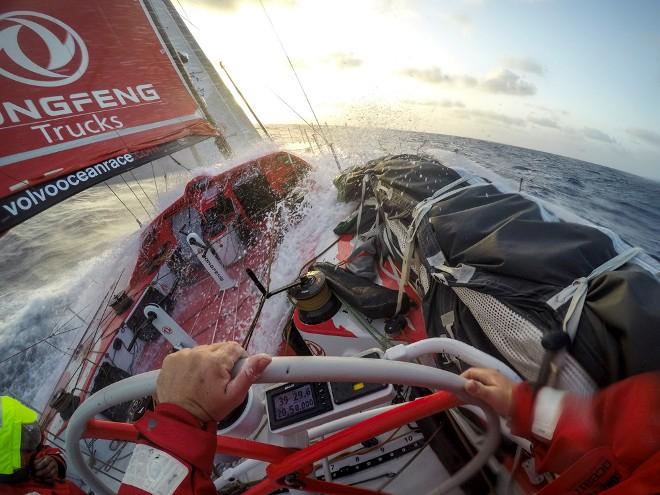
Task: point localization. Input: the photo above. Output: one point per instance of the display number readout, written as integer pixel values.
(293, 402)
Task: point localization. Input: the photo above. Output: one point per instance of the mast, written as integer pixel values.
(225, 112)
(220, 141)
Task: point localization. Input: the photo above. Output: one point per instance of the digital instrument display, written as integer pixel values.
(298, 406)
(293, 402)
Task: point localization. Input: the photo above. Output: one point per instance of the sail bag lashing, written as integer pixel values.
(493, 260)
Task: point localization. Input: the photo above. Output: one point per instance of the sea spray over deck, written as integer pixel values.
(64, 260)
(55, 278)
(307, 232)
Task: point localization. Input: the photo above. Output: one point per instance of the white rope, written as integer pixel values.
(577, 291)
(419, 212)
(365, 179)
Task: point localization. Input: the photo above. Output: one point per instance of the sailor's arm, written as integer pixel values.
(49, 464)
(195, 390)
(623, 417)
(621, 422)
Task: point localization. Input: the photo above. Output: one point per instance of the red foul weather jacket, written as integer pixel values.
(177, 449)
(608, 443)
(32, 486)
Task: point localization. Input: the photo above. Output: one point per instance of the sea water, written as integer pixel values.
(57, 267)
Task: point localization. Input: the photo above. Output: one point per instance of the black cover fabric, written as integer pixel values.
(107, 375)
(372, 300)
(349, 225)
(522, 259)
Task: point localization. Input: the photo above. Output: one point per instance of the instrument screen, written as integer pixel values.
(293, 402)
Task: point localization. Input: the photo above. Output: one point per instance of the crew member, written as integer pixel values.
(27, 466)
(195, 390)
(608, 443)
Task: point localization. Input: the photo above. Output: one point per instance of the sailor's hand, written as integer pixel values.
(46, 469)
(199, 379)
(492, 387)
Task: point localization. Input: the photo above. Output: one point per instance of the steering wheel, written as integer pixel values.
(289, 467)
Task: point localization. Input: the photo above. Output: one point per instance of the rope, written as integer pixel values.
(411, 460)
(184, 14)
(365, 179)
(577, 291)
(384, 341)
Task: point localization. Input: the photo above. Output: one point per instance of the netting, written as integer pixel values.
(519, 341)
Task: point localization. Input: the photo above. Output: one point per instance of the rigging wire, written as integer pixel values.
(105, 304)
(179, 163)
(142, 189)
(125, 206)
(184, 14)
(164, 174)
(247, 104)
(53, 333)
(153, 171)
(77, 315)
(286, 54)
(293, 110)
(300, 84)
(136, 196)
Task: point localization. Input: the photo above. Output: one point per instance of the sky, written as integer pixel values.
(576, 78)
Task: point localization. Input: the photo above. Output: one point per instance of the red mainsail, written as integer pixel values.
(87, 91)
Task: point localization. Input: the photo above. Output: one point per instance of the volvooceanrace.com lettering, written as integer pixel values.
(40, 194)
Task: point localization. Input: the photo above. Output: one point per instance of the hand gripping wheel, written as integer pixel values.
(290, 468)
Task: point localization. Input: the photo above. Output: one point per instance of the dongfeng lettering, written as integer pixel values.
(43, 111)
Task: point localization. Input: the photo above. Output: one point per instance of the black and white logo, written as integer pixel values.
(40, 50)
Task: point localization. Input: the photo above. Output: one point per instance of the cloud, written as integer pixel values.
(344, 60)
(526, 65)
(452, 104)
(461, 19)
(508, 82)
(492, 116)
(597, 135)
(435, 103)
(502, 81)
(432, 75)
(552, 111)
(645, 135)
(544, 122)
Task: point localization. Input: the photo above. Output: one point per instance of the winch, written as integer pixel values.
(313, 298)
